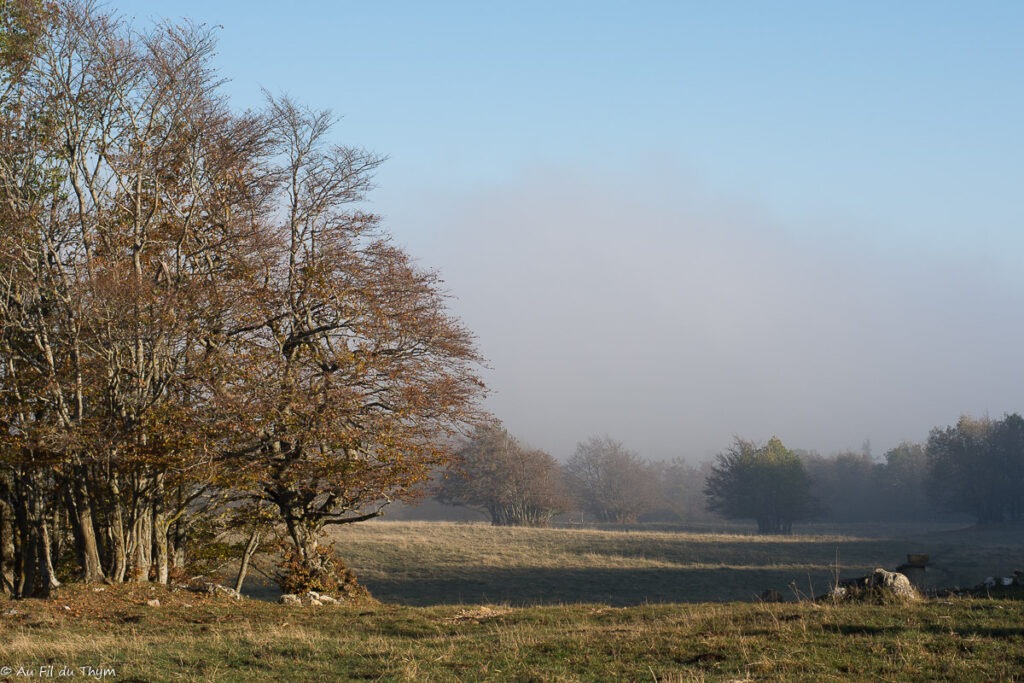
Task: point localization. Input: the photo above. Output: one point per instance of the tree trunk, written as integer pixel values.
(85, 532)
(142, 545)
(25, 579)
(24, 558)
(178, 534)
(48, 575)
(37, 577)
(250, 550)
(306, 540)
(120, 557)
(6, 549)
(161, 529)
(33, 575)
(117, 536)
(180, 541)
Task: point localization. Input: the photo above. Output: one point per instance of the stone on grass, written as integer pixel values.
(892, 584)
(880, 586)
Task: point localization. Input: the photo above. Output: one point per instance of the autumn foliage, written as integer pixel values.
(195, 311)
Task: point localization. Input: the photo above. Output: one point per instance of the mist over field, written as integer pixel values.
(678, 223)
(673, 316)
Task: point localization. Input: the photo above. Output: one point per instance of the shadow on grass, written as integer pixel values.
(615, 587)
(866, 630)
(998, 632)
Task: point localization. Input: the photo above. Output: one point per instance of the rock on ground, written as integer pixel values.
(879, 586)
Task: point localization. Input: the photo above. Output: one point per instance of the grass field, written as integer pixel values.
(468, 603)
(437, 563)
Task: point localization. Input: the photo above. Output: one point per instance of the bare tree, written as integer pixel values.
(610, 482)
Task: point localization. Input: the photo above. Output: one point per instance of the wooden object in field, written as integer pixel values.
(917, 560)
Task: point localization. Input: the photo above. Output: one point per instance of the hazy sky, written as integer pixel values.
(675, 222)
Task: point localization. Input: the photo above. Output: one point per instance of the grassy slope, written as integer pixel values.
(192, 637)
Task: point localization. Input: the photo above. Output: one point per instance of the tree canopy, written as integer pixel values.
(766, 483)
(977, 467)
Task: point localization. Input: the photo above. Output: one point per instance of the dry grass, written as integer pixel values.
(568, 605)
(220, 640)
(431, 563)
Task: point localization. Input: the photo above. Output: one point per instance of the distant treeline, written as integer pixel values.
(972, 470)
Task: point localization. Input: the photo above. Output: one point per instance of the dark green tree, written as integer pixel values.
(767, 483)
(977, 467)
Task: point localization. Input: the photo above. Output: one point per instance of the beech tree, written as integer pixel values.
(510, 483)
(766, 483)
(193, 308)
(361, 372)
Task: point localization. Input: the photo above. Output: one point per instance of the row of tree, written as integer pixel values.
(513, 484)
(971, 470)
(196, 317)
(974, 468)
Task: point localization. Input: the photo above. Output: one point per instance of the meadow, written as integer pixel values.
(457, 602)
(431, 563)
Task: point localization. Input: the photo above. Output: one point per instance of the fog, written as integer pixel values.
(652, 308)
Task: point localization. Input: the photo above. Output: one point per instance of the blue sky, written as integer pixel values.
(675, 222)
